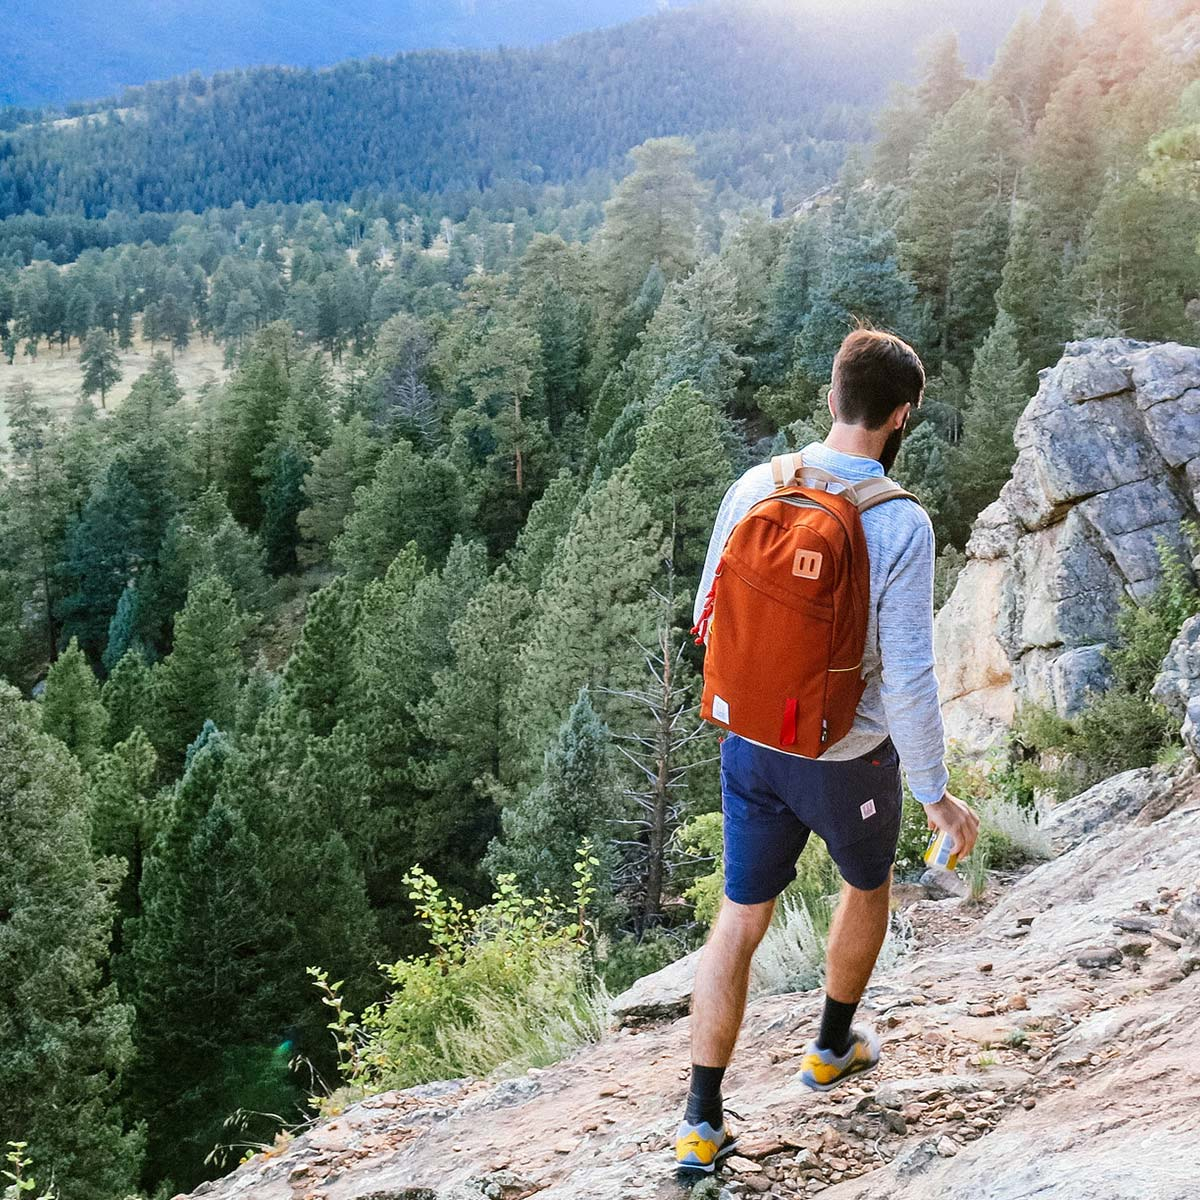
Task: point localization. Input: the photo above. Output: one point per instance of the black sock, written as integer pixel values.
(704, 1096)
(835, 1026)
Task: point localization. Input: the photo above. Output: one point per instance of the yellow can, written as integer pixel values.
(939, 851)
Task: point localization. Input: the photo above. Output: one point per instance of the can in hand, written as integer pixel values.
(939, 850)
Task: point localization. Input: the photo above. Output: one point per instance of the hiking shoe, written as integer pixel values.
(822, 1069)
(699, 1148)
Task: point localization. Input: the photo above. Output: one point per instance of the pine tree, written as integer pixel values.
(995, 399)
(591, 612)
(71, 708)
(124, 815)
(694, 337)
(123, 629)
(199, 680)
(965, 168)
(470, 709)
(318, 676)
(101, 365)
(658, 741)
(38, 502)
(1140, 263)
(409, 499)
(861, 278)
(347, 463)
(577, 798)
(128, 697)
(65, 1035)
(651, 218)
(543, 530)
(943, 76)
(204, 986)
(793, 286)
(681, 468)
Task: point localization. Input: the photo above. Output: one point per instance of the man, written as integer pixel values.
(851, 795)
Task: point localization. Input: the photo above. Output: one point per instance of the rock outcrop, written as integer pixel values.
(1043, 1047)
(1108, 463)
(1178, 683)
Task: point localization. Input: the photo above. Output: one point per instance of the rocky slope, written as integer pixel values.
(1109, 461)
(1044, 1046)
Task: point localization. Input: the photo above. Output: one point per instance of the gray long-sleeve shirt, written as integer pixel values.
(901, 696)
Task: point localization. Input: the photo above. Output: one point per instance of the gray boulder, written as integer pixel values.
(1108, 467)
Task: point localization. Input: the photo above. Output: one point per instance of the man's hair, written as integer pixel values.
(873, 374)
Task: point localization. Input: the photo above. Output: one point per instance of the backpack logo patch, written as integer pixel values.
(868, 809)
(720, 709)
(807, 564)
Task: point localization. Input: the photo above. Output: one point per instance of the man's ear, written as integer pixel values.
(830, 403)
(901, 415)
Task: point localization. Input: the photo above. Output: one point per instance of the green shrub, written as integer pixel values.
(505, 987)
(1123, 727)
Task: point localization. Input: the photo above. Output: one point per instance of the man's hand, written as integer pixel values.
(955, 817)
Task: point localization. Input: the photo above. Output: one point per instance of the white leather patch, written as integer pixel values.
(868, 809)
(720, 709)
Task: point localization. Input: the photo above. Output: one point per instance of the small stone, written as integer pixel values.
(626, 1151)
(1028, 1103)
(895, 1122)
(1134, 947)
(956, 1112)
(1018, 932)
(1018, 1002)
(741, 1166)
(1167, 938)
(1025, 920)
(1189, 960)
(1134, 924)
(804, 1158)
(984, 967)
(947, 1147)
(564, 1147)
(1099, 956)
(981, 1010)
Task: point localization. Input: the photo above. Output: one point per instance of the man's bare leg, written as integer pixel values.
(856, 935)
(723, 978)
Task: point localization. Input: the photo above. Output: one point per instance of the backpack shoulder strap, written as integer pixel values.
(790, 470)
(879, 490)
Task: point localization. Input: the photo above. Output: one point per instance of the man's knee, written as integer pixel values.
(742, 926)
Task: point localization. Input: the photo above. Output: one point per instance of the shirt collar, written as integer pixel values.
(849, 466)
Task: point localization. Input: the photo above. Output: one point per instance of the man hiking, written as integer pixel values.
(848, 792)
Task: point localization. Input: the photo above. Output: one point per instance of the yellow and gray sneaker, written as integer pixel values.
(822, 1069)
(699, 1148)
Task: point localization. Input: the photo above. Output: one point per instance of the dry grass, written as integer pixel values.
(56, 378)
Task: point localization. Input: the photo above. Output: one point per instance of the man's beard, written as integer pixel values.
(891, 448)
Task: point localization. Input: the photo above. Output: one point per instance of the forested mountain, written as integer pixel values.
(461, 124)
(404, 595)
(56, 54)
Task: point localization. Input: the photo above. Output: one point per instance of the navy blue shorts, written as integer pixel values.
(771, 801)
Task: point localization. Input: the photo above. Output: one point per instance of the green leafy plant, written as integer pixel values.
(19, 1183)
(504, 987)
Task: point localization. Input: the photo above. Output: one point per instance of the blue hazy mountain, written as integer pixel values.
(55, 52)
(78, 49)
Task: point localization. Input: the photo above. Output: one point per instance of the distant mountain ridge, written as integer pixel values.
(53, 54)
(791, 80)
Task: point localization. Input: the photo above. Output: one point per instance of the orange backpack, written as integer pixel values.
(785, 620)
